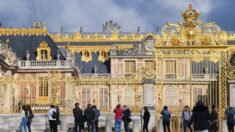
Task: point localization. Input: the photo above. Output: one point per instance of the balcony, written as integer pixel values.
(44, 64)
(195, 77)
(98, 75)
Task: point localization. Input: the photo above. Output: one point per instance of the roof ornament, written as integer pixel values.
(190, 17)
(138, 29)
(95, 69)
(61, 29)
(81, 29)
(27, 55)
(7, 43)
(58, 55)
(37, 24)
(110, 26)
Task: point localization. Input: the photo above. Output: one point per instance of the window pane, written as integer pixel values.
(130, 67)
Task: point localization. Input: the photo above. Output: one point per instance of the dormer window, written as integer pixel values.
(86, 56)
(103, 56)
(43, 52)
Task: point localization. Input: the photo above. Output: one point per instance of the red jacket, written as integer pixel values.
(118, 113)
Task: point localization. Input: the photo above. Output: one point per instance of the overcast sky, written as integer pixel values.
(91, 14)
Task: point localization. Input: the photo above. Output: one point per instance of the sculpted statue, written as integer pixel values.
(27, 55)
(110, 26)
(58, 55)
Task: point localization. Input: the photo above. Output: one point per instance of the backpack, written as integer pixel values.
(230, 116)
(54, 115)
(166, 115)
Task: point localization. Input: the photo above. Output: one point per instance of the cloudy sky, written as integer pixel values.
(91, 14)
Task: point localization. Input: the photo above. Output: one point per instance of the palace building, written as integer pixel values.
(177, 66)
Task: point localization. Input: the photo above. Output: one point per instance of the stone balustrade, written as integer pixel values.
(44, 64)
(10, 123)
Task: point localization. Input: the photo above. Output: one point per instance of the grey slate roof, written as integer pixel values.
(88, 67)
(20, 45)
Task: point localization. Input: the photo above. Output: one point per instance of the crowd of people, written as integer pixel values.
(199, 117)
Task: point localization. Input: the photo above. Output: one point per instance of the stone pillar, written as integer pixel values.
(108, 125)
(224, 126)
(160, 127)
(69, 94)
(136, 125)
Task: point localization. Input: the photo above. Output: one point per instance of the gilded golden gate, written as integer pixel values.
(191, 59)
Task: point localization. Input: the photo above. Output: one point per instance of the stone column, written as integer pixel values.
(69, 95)
(108, 125)
(160, 127)
(136, 125)
(224, 126)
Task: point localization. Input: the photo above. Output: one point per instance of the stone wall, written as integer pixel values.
(10, 122)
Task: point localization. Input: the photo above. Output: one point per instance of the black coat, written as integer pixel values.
(126, 115)
(89, 114)
(77, 113)
(146, 116)
(200, 118)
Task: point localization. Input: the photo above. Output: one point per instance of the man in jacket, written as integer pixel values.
(52, 118)
(166, 116)
(78, 119)
(200, 117)
(186, 118)
(90, 116)
(126, 117)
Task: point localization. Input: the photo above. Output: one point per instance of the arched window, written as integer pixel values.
(43, 52)
(86, 56)
(103, 56)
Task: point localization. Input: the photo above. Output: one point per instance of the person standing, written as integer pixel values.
(146, 118)
(118, 118)
(57, 115)
(78, 119)
(24, 118)
(166, 115)
(186, 118)
(126, 117)
(96, 120)
(214, 120)
(230, 119)
(52, 114)
(30, 117)
(200, 117)
(90, 116)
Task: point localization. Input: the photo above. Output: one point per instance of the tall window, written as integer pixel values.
(86, 96)
(130, 67)
(43, 86)
(104, 101)
(170, 69)
(128, 96)
(149, 64)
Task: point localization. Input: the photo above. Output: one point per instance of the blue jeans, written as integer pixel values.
(187, 124)
(23, 124)
(29, 124)
(118, 125)
(90, 125)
